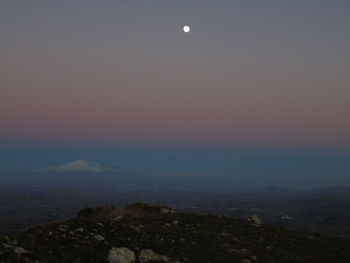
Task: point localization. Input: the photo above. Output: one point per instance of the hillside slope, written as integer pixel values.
(156, 234)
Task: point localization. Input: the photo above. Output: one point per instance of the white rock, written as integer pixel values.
(7, 246)
(62, 228)
(166, 211)
(121, 255)
(255, 219)
(20, 250)
(118, 218)
(99, 237)
(164, 258)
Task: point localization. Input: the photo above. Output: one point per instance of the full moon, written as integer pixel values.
(187, 29)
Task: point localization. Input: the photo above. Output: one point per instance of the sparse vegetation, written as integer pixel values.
(143, 207)
(110, 211)
(142, 231)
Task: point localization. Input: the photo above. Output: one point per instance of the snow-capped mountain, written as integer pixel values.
(80, 166)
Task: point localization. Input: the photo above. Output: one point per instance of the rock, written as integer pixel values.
(99, 237)
(20, 251)
(4, 239)
(118, 218)
(255, 219)
(147, 255)
(244, 251)
(6, 246)
(165, 210)
(137, 229)
(62, 228)
(164, 258)
(253, 258)
(121, 255)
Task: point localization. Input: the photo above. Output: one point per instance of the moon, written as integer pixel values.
(187, 29)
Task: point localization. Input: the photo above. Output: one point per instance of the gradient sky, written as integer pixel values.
(272, 74)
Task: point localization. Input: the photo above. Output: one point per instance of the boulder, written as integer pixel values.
(121, 255)
(255, 219)
(166, 210)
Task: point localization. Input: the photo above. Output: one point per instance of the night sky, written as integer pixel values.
(257, 87)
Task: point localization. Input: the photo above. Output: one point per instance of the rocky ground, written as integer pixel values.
(141, 233)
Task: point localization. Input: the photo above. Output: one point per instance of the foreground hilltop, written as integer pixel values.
(142, 233)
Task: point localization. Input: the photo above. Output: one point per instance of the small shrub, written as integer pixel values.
(107, 211)
(86, 212)
(143, 207)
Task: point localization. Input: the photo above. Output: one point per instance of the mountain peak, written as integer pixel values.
(80, 166)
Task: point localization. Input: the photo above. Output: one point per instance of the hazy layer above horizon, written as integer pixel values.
(294, 168)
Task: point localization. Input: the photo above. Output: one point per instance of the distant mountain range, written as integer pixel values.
(81, 166)
(79, 172)
(89, 173)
